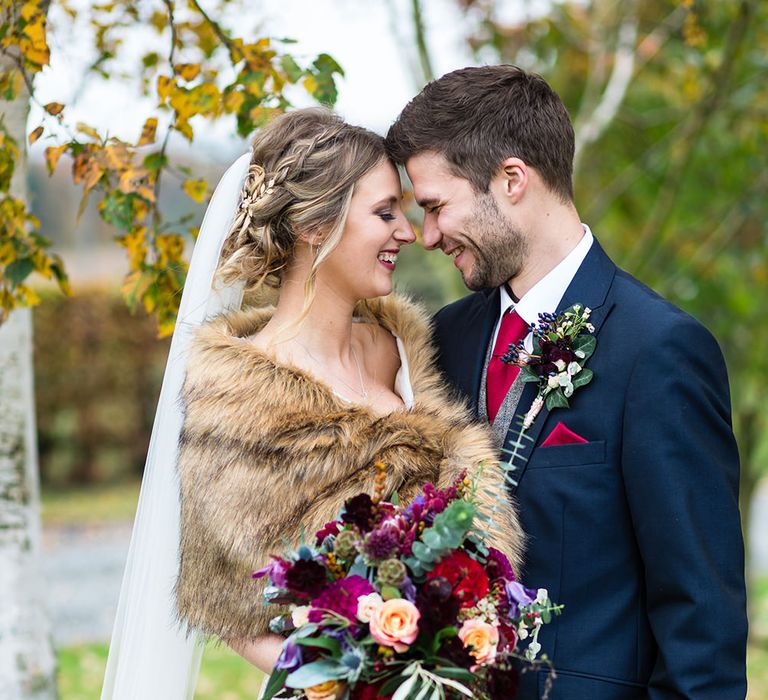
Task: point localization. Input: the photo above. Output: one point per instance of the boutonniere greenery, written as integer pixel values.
(561, 346)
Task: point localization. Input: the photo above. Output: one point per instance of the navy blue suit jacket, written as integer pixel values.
(637, 531)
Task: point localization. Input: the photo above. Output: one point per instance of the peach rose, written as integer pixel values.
(367, 605)
(481, 639)
(330, 690)
(395, 624)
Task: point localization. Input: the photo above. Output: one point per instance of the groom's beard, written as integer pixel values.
(498, 247)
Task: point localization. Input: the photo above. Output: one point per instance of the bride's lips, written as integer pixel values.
(388, 258)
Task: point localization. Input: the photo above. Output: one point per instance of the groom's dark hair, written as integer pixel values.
(478, 117)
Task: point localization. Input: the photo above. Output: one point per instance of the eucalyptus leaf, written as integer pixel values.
(315, 673)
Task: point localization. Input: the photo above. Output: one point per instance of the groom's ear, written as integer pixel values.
(513, 179)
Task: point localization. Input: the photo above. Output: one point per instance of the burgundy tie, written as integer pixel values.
(500, 374)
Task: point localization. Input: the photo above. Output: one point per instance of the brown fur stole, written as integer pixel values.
(266, 450)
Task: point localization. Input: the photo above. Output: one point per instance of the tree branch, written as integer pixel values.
(425, 61)
(613, 95)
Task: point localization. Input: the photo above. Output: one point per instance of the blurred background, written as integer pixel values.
(670, 103)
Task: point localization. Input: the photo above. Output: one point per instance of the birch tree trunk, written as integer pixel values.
(27, 661)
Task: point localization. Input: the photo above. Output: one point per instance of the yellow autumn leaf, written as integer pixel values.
(7, 253)
(36, 134)
(136, 246)
(27, 295)
(148, 132)
(116, 156)
(52, 155)
(310, 84)
(165, 86)
(29, 9)
(132, 180)
(233, 101)
(196, 189)
(83, 128)
(188, 71)
(92, 174)
(184, 128)
(53, 108)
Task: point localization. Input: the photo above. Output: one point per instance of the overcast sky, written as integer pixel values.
(372, 41)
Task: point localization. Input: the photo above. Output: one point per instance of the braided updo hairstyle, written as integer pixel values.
(303, 171)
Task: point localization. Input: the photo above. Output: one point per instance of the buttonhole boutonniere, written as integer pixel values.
(561, 346)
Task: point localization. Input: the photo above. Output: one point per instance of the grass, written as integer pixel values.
(223, 674)
(90, 505)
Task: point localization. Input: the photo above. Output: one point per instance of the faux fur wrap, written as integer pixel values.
(267, 450)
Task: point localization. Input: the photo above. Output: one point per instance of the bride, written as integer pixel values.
(285, 409)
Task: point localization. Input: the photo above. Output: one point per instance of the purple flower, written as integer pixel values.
(381, 543)
(276, 569)
(340, 597)
(498, 566)
(290, 657)
(408, 589)
(518, 595)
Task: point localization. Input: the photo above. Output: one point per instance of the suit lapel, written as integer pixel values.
(589, 287)
(478, 332)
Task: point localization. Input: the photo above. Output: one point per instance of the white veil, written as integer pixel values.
(151, 656)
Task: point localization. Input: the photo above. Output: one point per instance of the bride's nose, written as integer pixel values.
(404, 232)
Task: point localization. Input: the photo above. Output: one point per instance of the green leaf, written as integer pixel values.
(460, 674)
(585, 343)
(582, 378)
(275, 683)
(390, 593)
(17, 271)
(527, 374)
(556, 399)
(291, 69)
(315, 673)
(117, 209)
(328, 643)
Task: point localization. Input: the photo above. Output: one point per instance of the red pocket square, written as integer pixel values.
(562, 435)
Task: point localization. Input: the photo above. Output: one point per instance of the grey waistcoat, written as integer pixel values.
(508, 407)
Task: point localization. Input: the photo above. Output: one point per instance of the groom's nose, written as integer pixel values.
(430, 234)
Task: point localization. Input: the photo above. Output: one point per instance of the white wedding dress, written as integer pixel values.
(151, 655)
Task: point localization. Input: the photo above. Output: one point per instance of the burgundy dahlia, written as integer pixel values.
(359, 511)
(306, 578)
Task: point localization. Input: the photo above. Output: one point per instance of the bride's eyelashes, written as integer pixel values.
(386, 215)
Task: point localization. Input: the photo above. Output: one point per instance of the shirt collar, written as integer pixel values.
(546, 294)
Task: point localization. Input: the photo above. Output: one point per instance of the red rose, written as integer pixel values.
(368, 692)
(468, 578)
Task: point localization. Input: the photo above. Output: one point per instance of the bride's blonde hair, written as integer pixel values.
(303, 171)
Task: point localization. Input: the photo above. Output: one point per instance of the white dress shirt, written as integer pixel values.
(546, 294)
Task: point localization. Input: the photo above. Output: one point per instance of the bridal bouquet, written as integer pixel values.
(402, 602)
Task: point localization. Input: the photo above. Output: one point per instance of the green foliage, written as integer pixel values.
(674, 183)
(447, 532)
(222, 75)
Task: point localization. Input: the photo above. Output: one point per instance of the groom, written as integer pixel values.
(630, 496)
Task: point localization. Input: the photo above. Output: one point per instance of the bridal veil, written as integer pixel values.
(151, 654)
